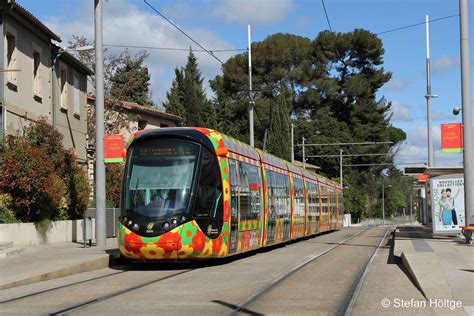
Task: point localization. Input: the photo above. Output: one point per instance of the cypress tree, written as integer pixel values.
(187, 97)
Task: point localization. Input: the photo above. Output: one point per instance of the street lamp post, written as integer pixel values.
(99, 138)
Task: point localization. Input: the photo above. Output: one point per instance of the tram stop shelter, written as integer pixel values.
(440, 193)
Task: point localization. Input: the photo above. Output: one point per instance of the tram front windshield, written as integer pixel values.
(159, 177)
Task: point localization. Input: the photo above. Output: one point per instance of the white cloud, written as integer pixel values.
(415, 150)
(444, 63)
(254, 12)
(400, 111)
(125, 24)
(398, 84)
(445, 117)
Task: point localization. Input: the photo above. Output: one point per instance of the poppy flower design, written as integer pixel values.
(199, 242)
(133, 243)
(216, 245)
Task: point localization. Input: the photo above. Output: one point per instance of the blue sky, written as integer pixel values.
(223, 25)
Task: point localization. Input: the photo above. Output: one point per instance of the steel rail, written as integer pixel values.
(112, 295)
(353, 293)
(243, 306)
(60, 287)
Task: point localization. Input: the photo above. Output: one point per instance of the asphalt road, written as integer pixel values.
(246, 283)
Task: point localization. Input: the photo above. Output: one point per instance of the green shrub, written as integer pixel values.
(41, 177)
(28, 175)
(77, 187)
(6, 214)
(113, 176)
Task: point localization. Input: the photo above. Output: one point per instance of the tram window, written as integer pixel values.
(159, 170)
(233, 188)
(209, 192)
(313, 201)
(333, 203)
(298, 190)
(270, 177)
(250, 186)
(283, 196)
(324, 201)
(341, 203)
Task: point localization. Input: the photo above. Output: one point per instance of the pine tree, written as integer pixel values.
(279, 136)
(131, 82)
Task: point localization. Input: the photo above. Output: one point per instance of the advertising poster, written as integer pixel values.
(113, 148)
(447, 203)
(451, 138)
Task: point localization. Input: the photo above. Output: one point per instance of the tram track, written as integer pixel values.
(244, 306)
(352, 294)
(220, 288)
(87, 303)
(115, 294)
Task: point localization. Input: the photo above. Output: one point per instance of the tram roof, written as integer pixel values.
(223, 143)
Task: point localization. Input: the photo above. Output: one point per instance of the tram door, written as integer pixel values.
(234, 205)
(271, 221)
(285, 187)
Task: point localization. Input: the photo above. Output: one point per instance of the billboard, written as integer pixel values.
(447, 200)
(451, 138)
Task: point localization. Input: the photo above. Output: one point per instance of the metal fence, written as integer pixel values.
(388, 221)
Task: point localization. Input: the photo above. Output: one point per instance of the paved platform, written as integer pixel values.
(46, 262)
(441, 266)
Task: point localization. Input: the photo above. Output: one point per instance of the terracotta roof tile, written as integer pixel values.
(33, 19)
(141, 108)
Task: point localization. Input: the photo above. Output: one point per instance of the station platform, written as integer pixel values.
(442, 267)
(46, 262)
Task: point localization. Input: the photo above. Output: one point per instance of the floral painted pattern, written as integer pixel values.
(188, 241)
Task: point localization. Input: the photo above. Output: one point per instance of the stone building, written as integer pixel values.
(39, 79)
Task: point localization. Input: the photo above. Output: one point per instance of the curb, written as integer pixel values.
(407, 266)
(105, 261)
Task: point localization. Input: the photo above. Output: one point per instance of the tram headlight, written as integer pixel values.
(174, 221)
(166, 225)
(129, 223)
(183, 218)
(135, 226)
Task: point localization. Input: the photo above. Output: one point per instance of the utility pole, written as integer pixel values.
(304, 158)
(99, 136)
(411, 206)
(292, 144)
(468, 154)
(428, 96)
(340, 167)
(251, 103)
(383, 205)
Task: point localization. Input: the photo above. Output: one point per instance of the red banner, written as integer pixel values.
(113, 148)
(451, 138)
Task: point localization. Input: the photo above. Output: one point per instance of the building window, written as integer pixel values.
(11, 59)
(77, 94)
(63, 87)
(36, 73)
